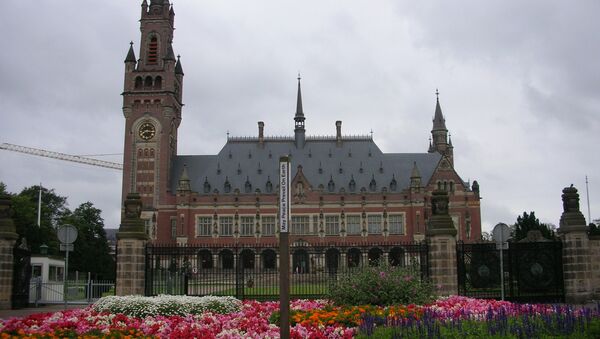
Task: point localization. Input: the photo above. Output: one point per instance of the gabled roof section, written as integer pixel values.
(322, 159)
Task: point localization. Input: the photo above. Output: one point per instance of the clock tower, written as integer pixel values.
(152, 102)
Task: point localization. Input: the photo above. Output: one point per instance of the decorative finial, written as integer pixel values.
(178, 56)
(371, 133)
(131, 43)
(299, 77)
(437, 94)
(227, 134)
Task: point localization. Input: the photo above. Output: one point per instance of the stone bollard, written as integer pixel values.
(442, 246)
(576, 249)
(131, 249)
(8, 237)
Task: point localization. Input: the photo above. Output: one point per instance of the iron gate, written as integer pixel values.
(532, 271)
(251, 271)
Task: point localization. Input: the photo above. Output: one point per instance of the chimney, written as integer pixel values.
(261, 132)
(338, 133)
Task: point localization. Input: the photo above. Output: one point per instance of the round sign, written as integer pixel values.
(501, 233)
(67, 234)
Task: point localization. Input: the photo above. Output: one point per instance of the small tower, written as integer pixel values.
(299, 131)
(415, 179)
(440, 141)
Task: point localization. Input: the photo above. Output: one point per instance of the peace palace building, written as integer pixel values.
(344, 189)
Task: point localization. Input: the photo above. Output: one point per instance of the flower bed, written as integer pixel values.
(450, 317)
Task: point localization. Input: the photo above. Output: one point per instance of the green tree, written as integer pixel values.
(528, 222)
(3, 190)
(53, 210)
(91, 252)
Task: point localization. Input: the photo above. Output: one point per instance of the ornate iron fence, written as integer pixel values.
(532, 271)
(251, 271)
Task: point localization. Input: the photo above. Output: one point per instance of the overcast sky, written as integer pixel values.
(519, 86)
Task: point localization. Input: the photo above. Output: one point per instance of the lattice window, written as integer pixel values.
(203, 226)
(332, 224)
(353, 224)
(247, 226)
(374, 223)
(226, 224)
(268, 225)
(173, 228)
(396, 223)
(300, 224)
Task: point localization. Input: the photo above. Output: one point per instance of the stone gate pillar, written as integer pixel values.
(573, 232)
(131, 249)
(442, 246)
(8, 237)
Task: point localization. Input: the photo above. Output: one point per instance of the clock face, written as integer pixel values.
(147, 131)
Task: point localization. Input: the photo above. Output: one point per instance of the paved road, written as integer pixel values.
(5, 314)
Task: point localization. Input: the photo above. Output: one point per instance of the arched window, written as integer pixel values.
(331, 185)
(153, 51)
(373, 184)
(269, 186)
(138, 82)
(269, 259)
(353, 257)
(393, 184)
(158, 82)
(375, 255)
(206, 185)
(396, 257)
(148, 82)
(247, 186)
(352, 185)
(227, 186)
(247, 259)
(205, 259)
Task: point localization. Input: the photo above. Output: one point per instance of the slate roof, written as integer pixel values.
(246, 165)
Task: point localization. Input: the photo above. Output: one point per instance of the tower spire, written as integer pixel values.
(439, 123)
(299, 111)
(439, 133)
(299, 130)
(130, 54)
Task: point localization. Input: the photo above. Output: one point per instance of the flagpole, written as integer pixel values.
(587, 190)
(39, 206)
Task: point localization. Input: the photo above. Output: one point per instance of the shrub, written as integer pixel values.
(381, 285)
(166, 305)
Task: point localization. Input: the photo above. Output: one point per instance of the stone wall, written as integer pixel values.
(131, 254)
(442, 261)
(594, 246)
(6, 273)
(576, 267)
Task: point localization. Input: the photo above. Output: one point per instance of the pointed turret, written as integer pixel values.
(299, 131)
(130, 54)
(178, 67)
